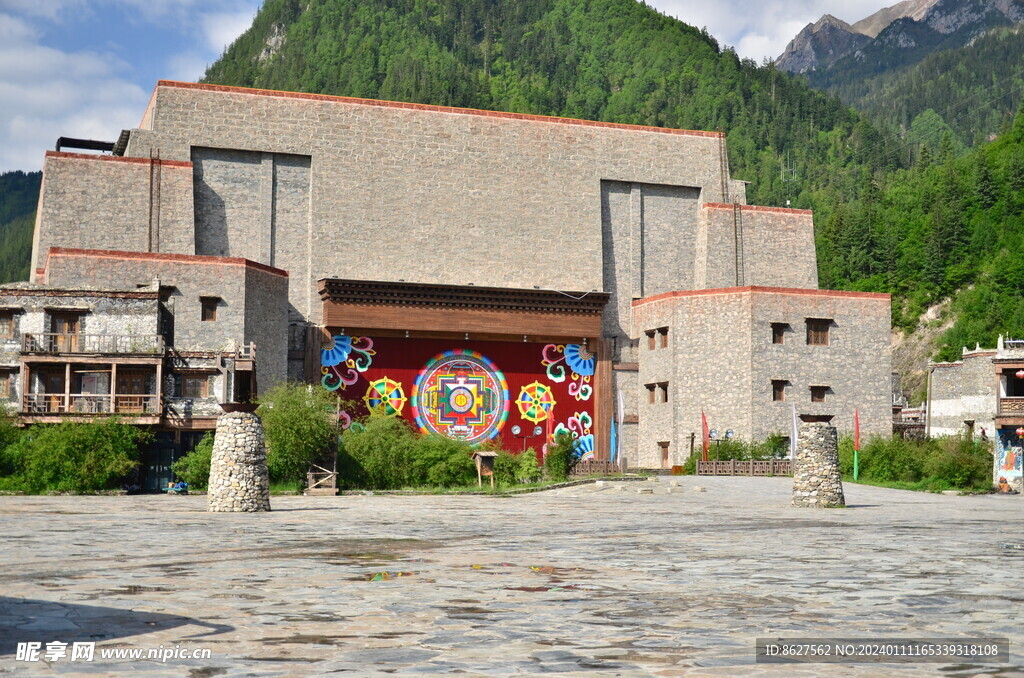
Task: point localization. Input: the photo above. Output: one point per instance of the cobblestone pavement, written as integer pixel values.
(594, 579)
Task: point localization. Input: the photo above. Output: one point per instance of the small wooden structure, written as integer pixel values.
(484, 465)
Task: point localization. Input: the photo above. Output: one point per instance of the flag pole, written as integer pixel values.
(856, 444)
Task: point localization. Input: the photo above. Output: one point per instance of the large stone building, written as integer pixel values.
(479, 272)
(982, 395)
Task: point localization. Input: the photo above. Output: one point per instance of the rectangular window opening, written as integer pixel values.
(651, 390)
(651, 334)
(779, 390)
(663, 391)
(817, 331)
(779, 332)
(818, 394)
(195, 386)
(209, 305)
(6, 325)
(663, 333)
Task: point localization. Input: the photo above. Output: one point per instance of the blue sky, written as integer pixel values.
(86, 68)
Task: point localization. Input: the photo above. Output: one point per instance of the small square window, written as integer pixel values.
(779, 390)
(195, 386)
(818, 394)
(209, 305)
(817, 331)
(779, 332)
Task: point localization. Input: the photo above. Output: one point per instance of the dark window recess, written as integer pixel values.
(209, 305)
(664, 453)
(195, 386)
(651, 334)
(779, 389)
(818, 394)
(663, 391)
(817, 331)
(651, 389)
(663, 333)
(779, 332)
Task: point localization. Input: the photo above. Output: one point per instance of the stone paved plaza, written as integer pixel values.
(584, 580)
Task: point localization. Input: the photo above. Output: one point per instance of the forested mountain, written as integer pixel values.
(19, 193)
(973, 89)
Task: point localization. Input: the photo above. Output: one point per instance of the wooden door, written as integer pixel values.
(131, 385)
(53, 386)
(65, 326)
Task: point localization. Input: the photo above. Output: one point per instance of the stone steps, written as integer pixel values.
(322, 492)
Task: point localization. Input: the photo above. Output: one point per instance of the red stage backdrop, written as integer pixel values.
(468, 390)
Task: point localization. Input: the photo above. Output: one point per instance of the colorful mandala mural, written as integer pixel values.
(582, 365)
(339, 369)
(387, 394)
(579, 427)
(535, 402)
(461, 394)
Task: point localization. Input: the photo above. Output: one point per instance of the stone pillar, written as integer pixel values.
(816, 479)
(239, 481)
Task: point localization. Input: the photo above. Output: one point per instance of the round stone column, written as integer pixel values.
(239, 481)
(816, 479)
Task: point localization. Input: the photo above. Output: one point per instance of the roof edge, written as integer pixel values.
(756, 289)
(436, 109)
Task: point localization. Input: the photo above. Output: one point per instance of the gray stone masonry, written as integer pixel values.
(239, 481)
(816, 479)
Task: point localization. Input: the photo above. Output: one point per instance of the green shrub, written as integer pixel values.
(298, 422)
(937, 464)
(380, 453)
(527, 470)
(194, 467)
(73, 457)
(442, 462)
(506, 468)
(559, 460)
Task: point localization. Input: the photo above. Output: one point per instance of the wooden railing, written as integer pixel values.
(1011, 406)
(732, 467)
(89, 403)
(49, 342)
(596, 468)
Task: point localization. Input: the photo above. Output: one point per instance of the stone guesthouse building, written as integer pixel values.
(982, 395)
(482, 274)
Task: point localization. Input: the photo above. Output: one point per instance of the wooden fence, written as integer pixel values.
(731, 467)
(597, 468)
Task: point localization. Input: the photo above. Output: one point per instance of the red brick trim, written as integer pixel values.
(753, 289)
(117, 158)
(196, 259)
(436, 109)
(755, 208)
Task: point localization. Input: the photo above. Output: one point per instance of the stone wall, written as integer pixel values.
(93, 201)
(239, 481)
(721, 360)
(817, 482)
(963, 391)
(503, 186)
(252, 304)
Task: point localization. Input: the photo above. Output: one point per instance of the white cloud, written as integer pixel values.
(221, 29)
(49, 93)
(763, 29)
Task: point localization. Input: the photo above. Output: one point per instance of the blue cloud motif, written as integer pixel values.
(583, 446)
(337, 354)
(580, 360)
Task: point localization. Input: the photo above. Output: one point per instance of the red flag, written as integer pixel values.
(856, 430)
(706, 437)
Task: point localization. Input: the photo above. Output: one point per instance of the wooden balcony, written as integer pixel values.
(1011, 407)
(92, 344)
(48, 405)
